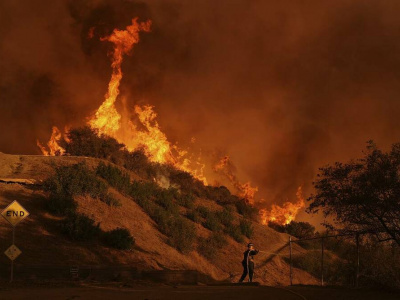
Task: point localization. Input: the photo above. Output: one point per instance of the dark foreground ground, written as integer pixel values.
(115, 292)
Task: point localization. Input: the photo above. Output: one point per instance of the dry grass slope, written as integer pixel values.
(41, 243)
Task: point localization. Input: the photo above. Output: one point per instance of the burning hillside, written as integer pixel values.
(139, 129)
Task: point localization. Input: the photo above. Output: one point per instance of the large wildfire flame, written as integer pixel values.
(107, 119)
(283, 214)
(140, 129)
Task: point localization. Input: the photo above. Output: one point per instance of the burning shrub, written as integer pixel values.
(119, 238)
(80, 227)
(210, 247)
(246, 228)
(84, 141)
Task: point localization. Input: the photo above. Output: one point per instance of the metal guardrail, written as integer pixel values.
(357, 241)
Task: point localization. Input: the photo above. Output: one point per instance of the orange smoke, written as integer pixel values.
(52, 144)
(283, 214)
(245, 190)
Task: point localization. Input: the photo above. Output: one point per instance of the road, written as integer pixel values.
(189, 292)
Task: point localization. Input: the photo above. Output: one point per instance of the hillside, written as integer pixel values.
(41, 242)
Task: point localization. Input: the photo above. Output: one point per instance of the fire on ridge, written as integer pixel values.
(108, 121)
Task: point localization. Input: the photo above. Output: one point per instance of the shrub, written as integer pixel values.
(114, 176)
(246, 228)
(219, 194)
(235, 232)
(212, 222)
(77, 180)
(138, 162)
(161, 217)
(194, 216)
(70, 181)
(184, 179)
(61, 204)
(203, 211)
(165, 198)
(277, 227)
(186, 200)
(119, 238)
(225, 216)
(246, 210)
(210, 247)
(111, 201)
(80, 227)
(143, 190)
(336, 270)
(300, 230)
(380, 264)
(181, 233)
(85, 141)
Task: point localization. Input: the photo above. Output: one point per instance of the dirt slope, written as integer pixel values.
(41, 243)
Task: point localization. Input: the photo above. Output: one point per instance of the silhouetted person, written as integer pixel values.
(248, 262)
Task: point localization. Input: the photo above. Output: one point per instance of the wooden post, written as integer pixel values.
(12, 261)
(290, 258)
(322, 261)
(358, 258)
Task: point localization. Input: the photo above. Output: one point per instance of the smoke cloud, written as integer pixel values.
(282, 88)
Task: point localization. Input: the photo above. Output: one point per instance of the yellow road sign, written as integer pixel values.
(13, 252)
(14, 213)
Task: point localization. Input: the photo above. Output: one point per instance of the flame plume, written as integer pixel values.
(284, 214)
(245, 190)
(52, 144)
(107, 119)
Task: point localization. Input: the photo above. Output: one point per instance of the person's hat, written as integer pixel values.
(250, 244)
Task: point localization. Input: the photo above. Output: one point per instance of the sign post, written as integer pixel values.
(14, 213)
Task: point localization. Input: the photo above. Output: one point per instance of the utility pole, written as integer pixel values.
(290, 258)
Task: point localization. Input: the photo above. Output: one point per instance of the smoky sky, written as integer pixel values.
(282, 87)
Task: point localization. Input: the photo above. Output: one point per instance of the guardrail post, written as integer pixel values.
(358, 258)
(322, 261)
(290, 259)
